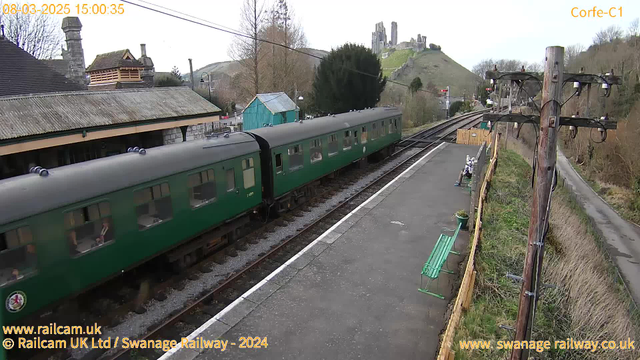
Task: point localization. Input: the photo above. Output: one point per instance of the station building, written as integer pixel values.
(52, 113)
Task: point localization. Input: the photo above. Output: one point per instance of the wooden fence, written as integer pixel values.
(465, 293)
(473, 136)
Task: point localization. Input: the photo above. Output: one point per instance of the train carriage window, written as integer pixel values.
(231, 180)
(363, 135)
(315, 150)
(202, 188)
(333, 144)
(382, 129)
(248, 175)
(295, 157)
(278, 163)
(88, 227)
(390, 126)
(153, 205)
(395, 124)
(346, 141)
(355, 137)
(17, 255)
(374, 131)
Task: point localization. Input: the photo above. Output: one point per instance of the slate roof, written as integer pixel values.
(21, 73)
(276, 102)
(61, 66)
(113, 60)
(22, 116)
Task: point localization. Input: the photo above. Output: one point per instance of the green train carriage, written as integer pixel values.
(296, 155)
(84, 223)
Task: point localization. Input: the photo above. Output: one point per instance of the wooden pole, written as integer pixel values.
(550, 113)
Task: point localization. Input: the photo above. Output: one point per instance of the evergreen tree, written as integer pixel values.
(349, 78)
(416, 84)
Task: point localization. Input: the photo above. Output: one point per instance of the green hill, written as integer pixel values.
(432, 66)
(395, 60)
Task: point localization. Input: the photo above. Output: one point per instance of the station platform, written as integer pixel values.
(353, 292)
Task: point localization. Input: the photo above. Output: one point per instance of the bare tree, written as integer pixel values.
(610, 34)
(288, 69)
(535, 67)
(503, 65)
(247, 51)
(634, 31)
(39, 35)
(634, 28)
(482, 67)
(571, 54)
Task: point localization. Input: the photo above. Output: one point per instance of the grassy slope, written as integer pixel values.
(618, 197)
(441, 70)
(589, 304)
(395, 60)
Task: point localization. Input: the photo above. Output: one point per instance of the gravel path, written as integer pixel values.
(135, 325)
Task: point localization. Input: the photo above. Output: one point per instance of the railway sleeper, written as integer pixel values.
(186, 255)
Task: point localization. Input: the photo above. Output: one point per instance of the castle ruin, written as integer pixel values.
(379, 40)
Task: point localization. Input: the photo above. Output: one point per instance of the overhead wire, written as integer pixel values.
(231, 31)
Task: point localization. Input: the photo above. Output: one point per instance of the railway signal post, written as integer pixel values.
(549, 121)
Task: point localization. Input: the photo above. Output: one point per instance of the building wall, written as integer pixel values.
(194, 132)
(256, 115)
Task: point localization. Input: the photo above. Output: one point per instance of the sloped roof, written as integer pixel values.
(61, 66)
(30, 115)
(21, 73)
(276, 102)
(113, 60)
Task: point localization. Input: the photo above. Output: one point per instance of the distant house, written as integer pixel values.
(269, 109)
(121, 70)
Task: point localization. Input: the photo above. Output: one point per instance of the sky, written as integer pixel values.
(468, 31)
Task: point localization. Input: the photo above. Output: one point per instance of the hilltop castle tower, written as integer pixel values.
(378, 38)
(394, 33)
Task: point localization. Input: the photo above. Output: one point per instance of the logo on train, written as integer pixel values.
(16, 301)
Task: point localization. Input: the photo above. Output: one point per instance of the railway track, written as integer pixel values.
(427, 136)
(209, 303)
(184, 321)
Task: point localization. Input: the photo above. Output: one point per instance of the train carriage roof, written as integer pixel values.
(294, 132)
(27, 195)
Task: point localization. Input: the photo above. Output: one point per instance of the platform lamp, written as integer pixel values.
(298, 98)
(208, 82)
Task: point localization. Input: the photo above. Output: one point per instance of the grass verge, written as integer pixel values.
(620, 198)
(589, 302)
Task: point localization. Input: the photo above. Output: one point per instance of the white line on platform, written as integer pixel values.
(257, 286)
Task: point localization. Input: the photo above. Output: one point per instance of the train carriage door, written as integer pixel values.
(248, 176)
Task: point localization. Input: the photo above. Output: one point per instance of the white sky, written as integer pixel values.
(467, 30)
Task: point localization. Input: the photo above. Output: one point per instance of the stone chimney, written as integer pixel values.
(74, 54)
(149, 71)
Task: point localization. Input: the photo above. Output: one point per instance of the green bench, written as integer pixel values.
(437, 260)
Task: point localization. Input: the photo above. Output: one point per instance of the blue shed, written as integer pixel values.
(269, 109)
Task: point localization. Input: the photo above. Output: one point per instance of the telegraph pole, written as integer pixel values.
(549, 122)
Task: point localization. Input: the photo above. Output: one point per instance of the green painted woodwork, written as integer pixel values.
(131, 245)
(437, 259)
(290, 178)
(257, 114)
